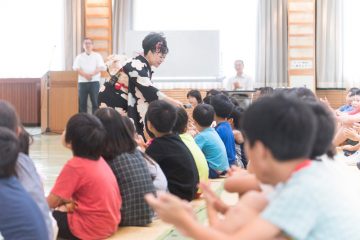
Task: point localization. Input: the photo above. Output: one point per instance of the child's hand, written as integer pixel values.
(71, 206)
(171, 209)
(350, 148)
(212, 200)
(234, 170)
(351, 134)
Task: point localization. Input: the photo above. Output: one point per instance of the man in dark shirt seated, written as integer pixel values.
(170, 152)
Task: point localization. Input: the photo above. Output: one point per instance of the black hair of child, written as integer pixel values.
(162, 115)
(203, 114)
(86, 134)
(9, 151)
(182, 119)
(119, 139)
(285, 125)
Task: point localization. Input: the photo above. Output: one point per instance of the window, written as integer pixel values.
(235, 19)
(351, 42)
(31, 37)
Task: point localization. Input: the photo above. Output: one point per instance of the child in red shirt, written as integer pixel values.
(86, 185)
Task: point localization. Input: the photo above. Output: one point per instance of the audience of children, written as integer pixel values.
(167, 149)
(180, 128)
(223, 108)
(209, 141)
(86, 196)
(25, 168)
(348, 100)
(194, 97)
(283, 136)
(20, 216)
(129, 166)
(308, 200)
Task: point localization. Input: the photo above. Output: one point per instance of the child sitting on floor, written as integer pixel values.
(129, 167)
(199, 157)
(25, 168)
(234, 120)
(308, 201)
(20, 217)
(223, 108)
(157, 175)
(170, 152)
(209, 141)
(86, 186)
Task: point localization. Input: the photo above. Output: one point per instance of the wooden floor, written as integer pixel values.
(49, 156)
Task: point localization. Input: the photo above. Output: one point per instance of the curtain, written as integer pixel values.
(329, 47)
(74, 29)
(122, 22)
(272, 44)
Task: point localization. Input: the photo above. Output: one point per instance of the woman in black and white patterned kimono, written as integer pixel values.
(131, 90)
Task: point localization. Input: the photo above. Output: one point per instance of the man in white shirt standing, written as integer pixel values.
(88, 64)
(240, 81)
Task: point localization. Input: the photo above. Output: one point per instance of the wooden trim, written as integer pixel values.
(97, 15)
(100, 4)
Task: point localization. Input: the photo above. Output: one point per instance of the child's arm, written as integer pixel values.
(240, 181)
(55, 201)
(238, 136)
(170, 209)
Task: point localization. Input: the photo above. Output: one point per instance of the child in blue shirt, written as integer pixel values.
(223, 107)
(209, 141)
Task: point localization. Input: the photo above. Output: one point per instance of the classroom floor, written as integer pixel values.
(49, 156)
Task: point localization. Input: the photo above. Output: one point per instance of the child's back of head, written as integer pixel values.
(203, 115)
(9, 150)
(8, 116)
(235, 115)
(119, 139)
(325, 130)
(284, 125)
(161, 115)
(182, 119)
(85, 134)
(222, 105)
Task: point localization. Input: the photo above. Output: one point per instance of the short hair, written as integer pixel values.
(86, 134)
(222, 105)
(87, 38)
(119, 139)
(353, 91)
(8, 116)
(304, 93)
(203, 114)
(265, 91)
(212, 92)
(9, 151)
(196, 94)
(155, 42)
(182, 119)
(285, 125)
(325, 130)
(240, 61)
(236, 115)
(150, 133)
(162, 115)
(25, 139)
